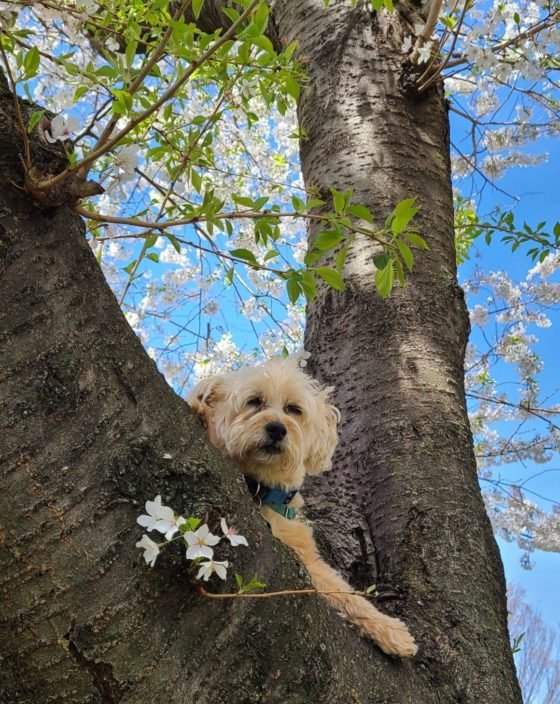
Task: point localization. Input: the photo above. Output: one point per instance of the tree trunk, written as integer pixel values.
(90, 431)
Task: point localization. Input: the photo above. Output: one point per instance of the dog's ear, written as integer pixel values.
(204, 398)
(323, 436)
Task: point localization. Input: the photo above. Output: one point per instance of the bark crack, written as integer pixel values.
(110, 689)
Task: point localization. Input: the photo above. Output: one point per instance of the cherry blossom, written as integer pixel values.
(200, 543)
(232, 535)
(61, 128)
(160, 518)
(151, 550)
(207, 568)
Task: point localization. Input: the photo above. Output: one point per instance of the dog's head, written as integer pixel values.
(272, 420)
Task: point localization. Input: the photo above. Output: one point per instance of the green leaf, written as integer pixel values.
(384, 279)
(327, 239)
(380, 261)
(406, 254)
(190, 524)
(312, 257)
(260, 17)
(196, 7)
(314, 203)
(309, 285)
(34, 119)
(175, 242)
(130, 267)
(298, 205)
(153, 256)
(271, 254)
(231, 13)
(244, 254)
(377, 4)
(243, 201)
(403, 214)
(400, 272)
(339, 201)
(360, 211)
(416, 239)
(294, 290)
(292, 86)
(130, 53)
(260, 203)
(31, 63)
(332, 277)
(196, 180)
(341, 258)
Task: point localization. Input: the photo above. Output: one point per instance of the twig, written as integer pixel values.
(234, 215)
(268, 595)
(19, 118)
(137, 82)
(169, 93)
(431, 21)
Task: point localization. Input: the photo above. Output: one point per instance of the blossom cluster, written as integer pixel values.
(199, 541)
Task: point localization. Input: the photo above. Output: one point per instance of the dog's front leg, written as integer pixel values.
(390, 634)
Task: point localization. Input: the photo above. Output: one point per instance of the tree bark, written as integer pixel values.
(88, 426)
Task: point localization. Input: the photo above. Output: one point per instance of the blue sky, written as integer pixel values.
(537, 188)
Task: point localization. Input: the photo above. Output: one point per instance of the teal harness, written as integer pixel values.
(276, 499)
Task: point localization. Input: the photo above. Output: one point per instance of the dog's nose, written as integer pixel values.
(276, 431)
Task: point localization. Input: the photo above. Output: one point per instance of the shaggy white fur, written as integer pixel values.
(274, 422)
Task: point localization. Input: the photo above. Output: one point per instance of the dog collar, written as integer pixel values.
(276, 499)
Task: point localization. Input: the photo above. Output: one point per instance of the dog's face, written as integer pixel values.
(272, 420)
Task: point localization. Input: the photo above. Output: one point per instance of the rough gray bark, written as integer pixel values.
(87, 420)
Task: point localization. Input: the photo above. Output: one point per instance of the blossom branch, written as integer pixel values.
(138, 81)
(107, 145)
(431, 21)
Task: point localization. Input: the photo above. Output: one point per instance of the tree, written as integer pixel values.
(536, 649)
(92, 427)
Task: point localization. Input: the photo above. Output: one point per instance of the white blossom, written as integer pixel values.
(207, 568)
(406, 45)
(61, 128)
(160, 518)
(200, 543)
(151, 550)
(424, 52)
(232, 535)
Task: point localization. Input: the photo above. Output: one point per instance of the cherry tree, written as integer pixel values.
(171, 131)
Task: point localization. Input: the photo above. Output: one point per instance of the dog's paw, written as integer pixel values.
(395, 639)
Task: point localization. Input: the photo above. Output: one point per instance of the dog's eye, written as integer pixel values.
(254, 401)
(293, 410)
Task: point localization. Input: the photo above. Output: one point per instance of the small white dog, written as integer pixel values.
(273, 421)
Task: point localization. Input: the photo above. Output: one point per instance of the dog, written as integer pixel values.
(274, 422)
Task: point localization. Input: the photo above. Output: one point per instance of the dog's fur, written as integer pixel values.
(237, 408)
